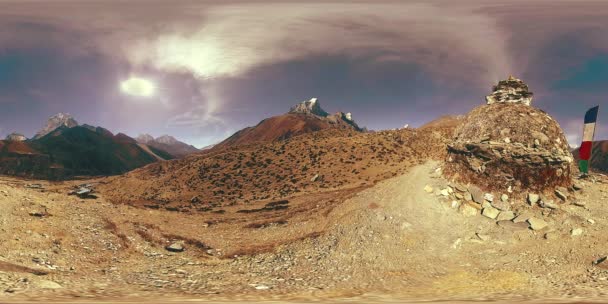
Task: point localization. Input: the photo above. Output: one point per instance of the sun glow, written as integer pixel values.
(136, 86)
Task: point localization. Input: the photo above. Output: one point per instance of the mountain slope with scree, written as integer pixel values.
(305, 117)
(332, 159)
(64, 149)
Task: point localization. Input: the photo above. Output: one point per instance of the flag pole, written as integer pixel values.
(586, 149)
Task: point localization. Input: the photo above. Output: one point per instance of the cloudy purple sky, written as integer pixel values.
(218, 66)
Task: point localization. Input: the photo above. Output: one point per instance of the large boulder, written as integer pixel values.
(509, 145)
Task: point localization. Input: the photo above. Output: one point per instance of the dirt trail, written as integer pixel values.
(396, 239)
(387, 243)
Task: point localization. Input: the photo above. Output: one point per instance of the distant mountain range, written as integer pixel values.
(291, 155)
(65, 149)
(167, 143)
(305, 117)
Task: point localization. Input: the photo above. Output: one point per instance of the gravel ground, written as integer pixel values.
(391, 242)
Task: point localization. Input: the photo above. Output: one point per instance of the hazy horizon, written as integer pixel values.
(202, 71)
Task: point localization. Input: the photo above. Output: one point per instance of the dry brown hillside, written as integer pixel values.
(276, 128)
(303, 118)
(445, 124)
(343, 237)
(327, 160)
(391, 243)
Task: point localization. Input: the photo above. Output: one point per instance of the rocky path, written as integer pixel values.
(397, 239)
(392, 242)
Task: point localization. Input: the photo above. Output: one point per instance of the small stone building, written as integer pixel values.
(509, 145)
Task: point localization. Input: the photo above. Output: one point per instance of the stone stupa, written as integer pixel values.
(508, 145)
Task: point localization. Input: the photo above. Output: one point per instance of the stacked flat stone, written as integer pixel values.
(512, 90)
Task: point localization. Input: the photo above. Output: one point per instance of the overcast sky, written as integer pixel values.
(202, 70)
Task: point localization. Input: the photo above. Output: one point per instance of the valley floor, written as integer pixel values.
(390, 242)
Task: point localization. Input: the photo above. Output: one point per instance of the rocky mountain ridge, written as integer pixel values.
(310, 107)
(167, 140)
(304, 117)
(167, 143)
(65, 149)
(56, 121)
(313, 107)
(144, 138)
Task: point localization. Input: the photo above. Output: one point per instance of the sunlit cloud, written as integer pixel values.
(231, 40)
(137, 86)
(457, 50)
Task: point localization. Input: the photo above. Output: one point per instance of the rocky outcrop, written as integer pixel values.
(168, 144)
(313, 107)
(305, 117)
(167, 140)
(508, 144)
(55, 122)
(16, 137)
(144, 138)
(344, 120)
(310, 107)
(512, 90)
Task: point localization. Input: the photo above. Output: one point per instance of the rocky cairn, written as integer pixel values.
(509, 145)
(512, 90)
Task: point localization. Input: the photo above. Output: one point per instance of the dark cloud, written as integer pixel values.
(220, 66)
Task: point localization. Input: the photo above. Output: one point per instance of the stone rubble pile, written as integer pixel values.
(470, 201)
(85, 191)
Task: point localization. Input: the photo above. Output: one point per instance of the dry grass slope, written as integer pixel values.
(327, 160)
